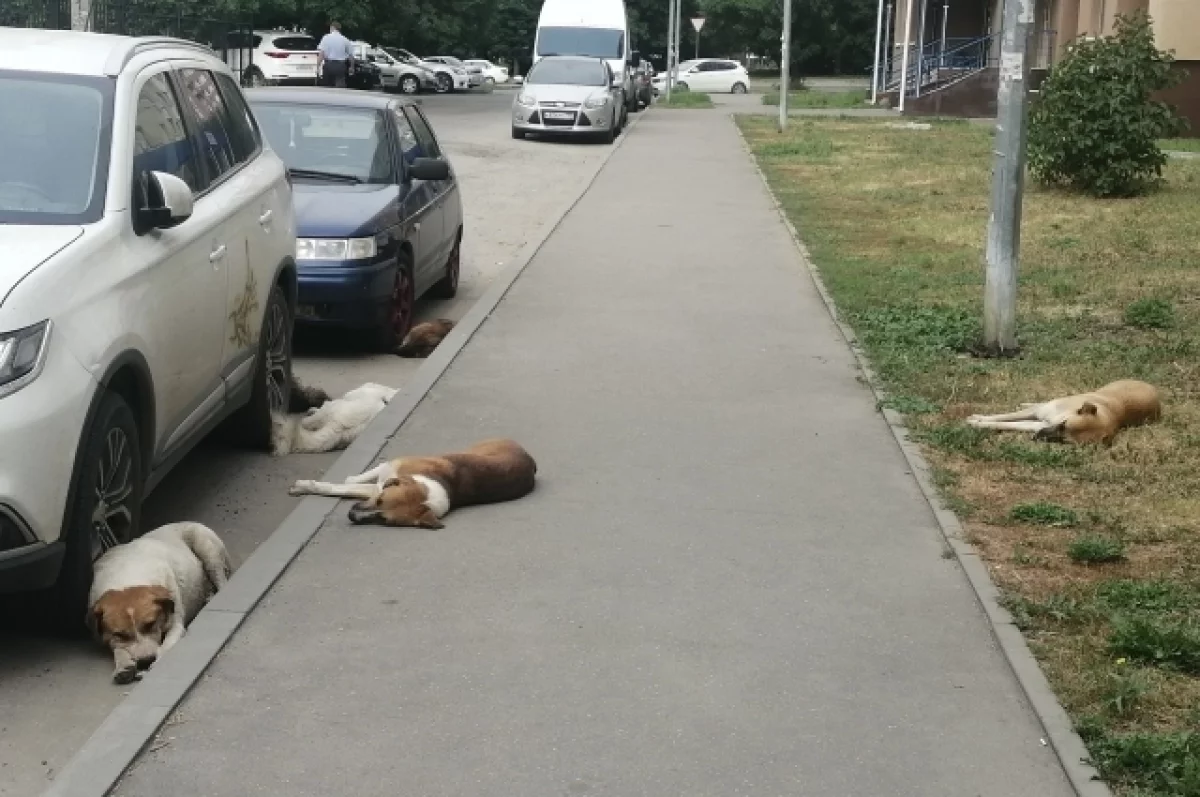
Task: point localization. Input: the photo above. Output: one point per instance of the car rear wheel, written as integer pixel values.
(409, 85)
(400, 311)
(254, 78)
(447, 286)
(271, 393)
(445, 83)
(739, 88)
(106, 508)
(681, 86)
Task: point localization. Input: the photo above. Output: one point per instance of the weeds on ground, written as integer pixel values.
(1097, 548)
(686, 99)
(818, 99)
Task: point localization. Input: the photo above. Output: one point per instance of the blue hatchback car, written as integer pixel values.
(379, 219)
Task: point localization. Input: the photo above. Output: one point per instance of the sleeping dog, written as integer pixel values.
(422, 339)
(1094, 417)
(331, 426)
(420, 491)
(145, 592)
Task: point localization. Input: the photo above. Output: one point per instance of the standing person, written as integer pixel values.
(334, 55)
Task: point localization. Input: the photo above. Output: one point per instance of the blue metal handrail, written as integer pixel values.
(954, 59)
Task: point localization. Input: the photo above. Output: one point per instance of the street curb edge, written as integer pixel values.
(1068, 747)
(98, 766)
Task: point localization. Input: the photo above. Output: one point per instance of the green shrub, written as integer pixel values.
(1095, 127)
(1150, 314)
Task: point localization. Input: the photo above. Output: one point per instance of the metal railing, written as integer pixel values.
(944, 63)
(54, 14)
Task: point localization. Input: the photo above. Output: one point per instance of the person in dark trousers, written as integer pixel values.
(335, 54)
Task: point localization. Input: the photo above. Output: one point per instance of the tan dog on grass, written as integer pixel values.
(420, 491)
(422, 339)
(1094, 417)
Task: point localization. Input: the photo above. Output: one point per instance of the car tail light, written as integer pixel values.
(278, 55)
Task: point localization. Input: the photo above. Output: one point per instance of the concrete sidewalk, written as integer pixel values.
(726, 582)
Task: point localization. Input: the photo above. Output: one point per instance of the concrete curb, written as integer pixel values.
(99, 765)
(1060, 733)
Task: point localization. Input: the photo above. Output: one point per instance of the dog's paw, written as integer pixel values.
(302, 487)
(127, 675)
(974, 420)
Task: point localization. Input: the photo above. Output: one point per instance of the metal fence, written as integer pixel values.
(232, 40)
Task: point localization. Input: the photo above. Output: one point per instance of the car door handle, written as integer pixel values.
(266, 216)
(217, 254)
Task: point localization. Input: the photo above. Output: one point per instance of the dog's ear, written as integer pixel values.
(162, 597)
(1088, 408)
(392, 482)
(94, 620)
(429, 520)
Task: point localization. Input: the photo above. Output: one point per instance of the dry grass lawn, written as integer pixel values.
(1097, 549)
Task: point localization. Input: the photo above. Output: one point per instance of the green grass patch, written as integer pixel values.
(1180, 144)
(686, 99)
(1096, 549)
(819, 99)
(1150, 314)
(1041, 513)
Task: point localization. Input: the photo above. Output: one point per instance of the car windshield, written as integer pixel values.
(316, 139)
(594, 42)
(449, 60)
(567, 72)
(55, 150)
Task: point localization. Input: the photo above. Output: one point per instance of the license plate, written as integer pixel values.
(559, 115)
(303, 67)
(306, 311)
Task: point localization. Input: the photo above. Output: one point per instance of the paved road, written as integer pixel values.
(53, 693)
(726, 582)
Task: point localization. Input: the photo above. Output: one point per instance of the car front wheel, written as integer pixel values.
(409, 85)
(272, 375)
(106, 507)
(401, 309)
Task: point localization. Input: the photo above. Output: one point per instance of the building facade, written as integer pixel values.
(954, 45)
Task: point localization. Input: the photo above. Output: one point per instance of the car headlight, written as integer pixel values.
(22, 355)
(596, 101)
(336, 248)
(528, 100)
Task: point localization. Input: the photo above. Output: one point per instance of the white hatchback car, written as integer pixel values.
(709, 75)
(147, 287)
(496, 74)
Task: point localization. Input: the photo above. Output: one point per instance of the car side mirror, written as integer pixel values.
(429, 169)
(168, 201)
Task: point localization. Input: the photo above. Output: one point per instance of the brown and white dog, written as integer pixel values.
(422, 339)
(145, 592)
(420, 491)
(1094, 417)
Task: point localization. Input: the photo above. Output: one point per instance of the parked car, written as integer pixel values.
(492, 72)
(400, 76)
(378, 209)
(569, 95)
(148, 287)
(272, 57)
(709, 75)
(446, 78)
(474, 74)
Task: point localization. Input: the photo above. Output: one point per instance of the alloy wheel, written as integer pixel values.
(277, 359)
(403, 299)
(112, 517)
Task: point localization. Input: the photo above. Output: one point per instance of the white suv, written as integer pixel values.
(272, 57)
(147, 287)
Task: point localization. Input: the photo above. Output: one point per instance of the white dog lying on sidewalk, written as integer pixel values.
(332, 426)
(145, 592)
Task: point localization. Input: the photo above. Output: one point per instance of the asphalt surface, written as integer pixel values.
(55, 692)
(725, 583)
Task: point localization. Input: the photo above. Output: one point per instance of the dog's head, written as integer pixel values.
(134, 619)
(1082, 426)
(401, 502)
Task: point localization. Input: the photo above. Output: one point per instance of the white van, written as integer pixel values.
(596, 28)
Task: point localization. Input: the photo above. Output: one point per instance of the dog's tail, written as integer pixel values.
(304, 398)
(283, 433)
(211, 552)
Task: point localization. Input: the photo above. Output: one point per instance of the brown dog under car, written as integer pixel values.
(1093, 417)
(420, 491)
(423, 338)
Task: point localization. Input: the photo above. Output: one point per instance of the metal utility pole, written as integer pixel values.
(878, 46)
(1008, 182)
(678, 28)
(671, 23)
(785, 65)
(908, 13)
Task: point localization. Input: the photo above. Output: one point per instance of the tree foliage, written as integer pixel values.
(1095, 126)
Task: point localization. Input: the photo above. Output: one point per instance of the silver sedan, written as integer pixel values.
(570, 95)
